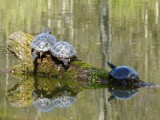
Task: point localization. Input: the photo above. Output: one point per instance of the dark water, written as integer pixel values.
(124, 32)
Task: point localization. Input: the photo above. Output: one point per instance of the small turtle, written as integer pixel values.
(122, 94)
(63, 51)
(42, 43)
(124, 73)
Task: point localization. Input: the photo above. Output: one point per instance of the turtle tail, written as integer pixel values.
(48, 30)
(111, 65)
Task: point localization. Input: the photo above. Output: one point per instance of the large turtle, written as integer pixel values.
(63, 51)
(42, 44)
(123, 73)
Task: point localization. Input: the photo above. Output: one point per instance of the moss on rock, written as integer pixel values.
(19, 44)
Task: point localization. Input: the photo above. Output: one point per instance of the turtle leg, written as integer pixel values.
(41, 53)
(124, 83)
(34, 54)
(35, 62)
(65, 61)
(75, 59)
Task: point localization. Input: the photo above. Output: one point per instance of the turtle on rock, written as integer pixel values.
(63, 51)
(42, 43)
(123, 74)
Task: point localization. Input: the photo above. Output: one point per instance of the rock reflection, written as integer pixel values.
(45, 94)
(20, 95)
(48, 94)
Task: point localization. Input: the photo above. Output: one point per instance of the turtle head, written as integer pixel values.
(42, 45)
(133, 76)
(111, 98)
(111, 65)
(66, 61)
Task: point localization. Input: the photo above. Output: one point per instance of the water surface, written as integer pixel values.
(121, 31)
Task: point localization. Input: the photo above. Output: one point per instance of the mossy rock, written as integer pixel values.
(19, 44)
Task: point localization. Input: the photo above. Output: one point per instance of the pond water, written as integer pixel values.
(122, 31)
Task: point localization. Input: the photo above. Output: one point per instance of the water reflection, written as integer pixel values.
(122, 94)
(57, 97)
(46, 99)
(20, 96)
(44, 104)
(47, 94)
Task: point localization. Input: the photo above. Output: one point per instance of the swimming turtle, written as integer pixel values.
(122, 94)
(42, 44)
(63, 51)
(124, 74)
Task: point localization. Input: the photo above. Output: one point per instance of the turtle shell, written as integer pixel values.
(43, 42)
(63, 50)
(124, 73)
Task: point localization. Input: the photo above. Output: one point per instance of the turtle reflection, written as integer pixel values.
(48, 104)
(122, 94)
(44, 104)
(64, 101)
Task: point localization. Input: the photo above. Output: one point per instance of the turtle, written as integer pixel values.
(122, 94)
(42, 43)
(123, 73)
(63, 51)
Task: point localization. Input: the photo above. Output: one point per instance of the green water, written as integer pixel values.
(122, 31)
